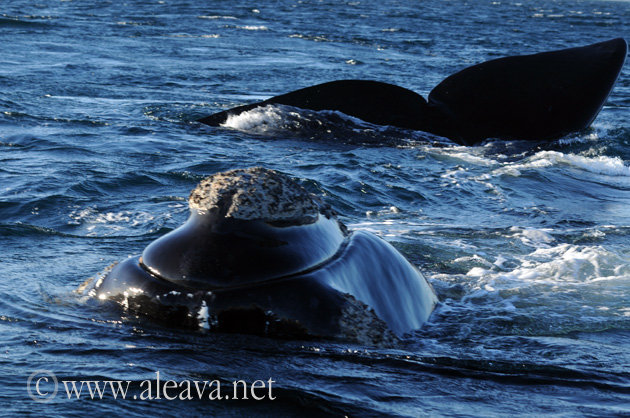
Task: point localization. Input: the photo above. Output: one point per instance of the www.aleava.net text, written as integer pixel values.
(170, 389)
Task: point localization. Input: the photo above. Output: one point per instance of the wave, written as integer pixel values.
(23, 21)
(248, 27)
(215, 17)
(609, 166)
(556, 290)
(516, 163)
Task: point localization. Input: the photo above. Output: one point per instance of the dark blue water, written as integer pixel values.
(527, 245)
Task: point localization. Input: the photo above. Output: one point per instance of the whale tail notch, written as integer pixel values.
(529, 97)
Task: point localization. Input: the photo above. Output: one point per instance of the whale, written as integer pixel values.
(260, 255)
(533, 97)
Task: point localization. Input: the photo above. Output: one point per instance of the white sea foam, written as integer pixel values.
(534, 237)
(249, 27)
(261, 119)
(384, 212)
(281, 118)
(467, 157)
(108, 223)
(610, 166)
(552, 290)
(564, 263)
(213, 17)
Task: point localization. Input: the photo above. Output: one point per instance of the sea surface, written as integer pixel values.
(526, 244)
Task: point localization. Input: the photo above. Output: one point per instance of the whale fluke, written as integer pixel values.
(527, 97)
(371, 101)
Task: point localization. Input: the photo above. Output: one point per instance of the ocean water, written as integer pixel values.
(526, 244)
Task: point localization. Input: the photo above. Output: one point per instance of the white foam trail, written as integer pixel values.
(248, 27)
(564, 263)
(610, 166)
(258, 119)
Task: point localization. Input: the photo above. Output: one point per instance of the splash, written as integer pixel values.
(261, 120)
(609, 166)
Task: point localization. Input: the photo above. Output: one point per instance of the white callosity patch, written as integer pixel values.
(254, 194)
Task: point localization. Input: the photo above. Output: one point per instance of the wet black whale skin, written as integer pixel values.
(527, 97)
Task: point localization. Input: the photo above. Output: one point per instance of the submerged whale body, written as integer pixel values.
(260, 255)
(528, 97)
